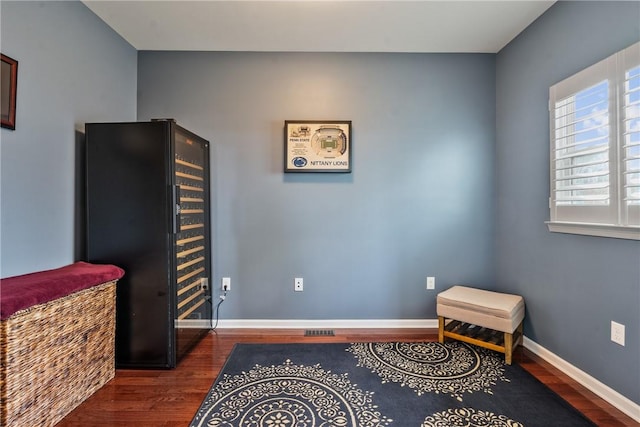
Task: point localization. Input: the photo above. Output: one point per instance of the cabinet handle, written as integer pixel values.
(175, 201)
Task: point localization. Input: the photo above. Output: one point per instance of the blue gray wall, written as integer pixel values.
(573, 285)
(418, 203)
(72, 68)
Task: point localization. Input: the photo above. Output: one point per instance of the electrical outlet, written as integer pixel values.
(204, 283)
(617, 333)
(431, 283)
(226, 283)
(298, 284)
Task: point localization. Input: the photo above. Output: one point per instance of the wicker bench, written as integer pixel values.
(57, 336)
(488, 319)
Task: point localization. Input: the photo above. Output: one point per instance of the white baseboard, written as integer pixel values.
(328, 324)
(624, 404)
(193, 323)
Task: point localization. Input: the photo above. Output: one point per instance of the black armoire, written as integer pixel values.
(148, 212)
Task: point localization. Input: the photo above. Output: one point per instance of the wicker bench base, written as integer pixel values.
(502, 342)
(56, 355)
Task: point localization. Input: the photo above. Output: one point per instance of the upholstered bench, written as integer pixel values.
(488, 319)
(57, 341)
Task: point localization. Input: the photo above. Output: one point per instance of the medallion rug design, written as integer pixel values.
(424, 384)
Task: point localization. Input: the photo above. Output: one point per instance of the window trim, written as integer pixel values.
(598, 230)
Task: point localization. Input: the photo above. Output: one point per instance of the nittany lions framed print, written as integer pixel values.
(317, 146)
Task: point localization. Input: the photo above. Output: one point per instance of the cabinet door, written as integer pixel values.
(127, 225)
(193, 307)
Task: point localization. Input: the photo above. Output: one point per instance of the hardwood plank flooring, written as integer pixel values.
(170, 398)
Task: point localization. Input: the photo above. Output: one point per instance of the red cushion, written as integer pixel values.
(21, 292)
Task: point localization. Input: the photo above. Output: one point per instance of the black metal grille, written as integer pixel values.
(318, 332)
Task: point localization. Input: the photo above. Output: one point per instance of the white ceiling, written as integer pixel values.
(320, 26)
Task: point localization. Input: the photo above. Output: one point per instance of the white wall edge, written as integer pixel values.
(624, 404)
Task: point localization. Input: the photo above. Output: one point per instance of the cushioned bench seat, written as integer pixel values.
(489, 319)
(28, 290)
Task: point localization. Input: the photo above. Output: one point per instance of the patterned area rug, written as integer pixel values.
(423, 384)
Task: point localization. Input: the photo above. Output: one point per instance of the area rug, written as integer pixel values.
(421, 384)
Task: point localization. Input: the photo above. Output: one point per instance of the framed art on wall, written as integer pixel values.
(8, 82)
(317, 146)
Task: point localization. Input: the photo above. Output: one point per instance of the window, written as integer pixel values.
(595, 149)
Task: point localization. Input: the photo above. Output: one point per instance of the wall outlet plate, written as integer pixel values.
(226, 283)
(617, 333)
(298, 284)
(431, 283)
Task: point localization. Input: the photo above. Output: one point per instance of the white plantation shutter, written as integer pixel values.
(631, 145)
(582, 148)
(582, 188)
(595, 146)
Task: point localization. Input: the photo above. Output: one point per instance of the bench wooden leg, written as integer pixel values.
(516, 338)
(508, 348)
(520, 329)
(440, 329)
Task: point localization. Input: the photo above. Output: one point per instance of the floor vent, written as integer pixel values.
(318, 333)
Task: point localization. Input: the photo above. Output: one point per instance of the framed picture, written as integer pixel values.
(9, 80)
(317, 146)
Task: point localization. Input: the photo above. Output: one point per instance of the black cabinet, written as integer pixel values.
(148, 211)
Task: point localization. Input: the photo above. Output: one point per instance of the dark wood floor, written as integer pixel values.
(164, 398)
